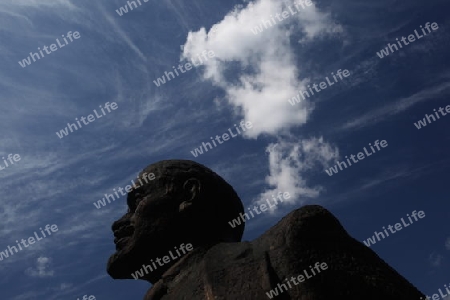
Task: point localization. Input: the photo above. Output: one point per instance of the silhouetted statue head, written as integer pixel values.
(185, 203)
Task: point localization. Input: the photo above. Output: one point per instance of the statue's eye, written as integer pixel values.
(139, 201)
(133, 199)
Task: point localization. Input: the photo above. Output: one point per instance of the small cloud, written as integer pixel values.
(64, 286)
(447, 243)
(435, 259)
(41, 268)
(288, 164)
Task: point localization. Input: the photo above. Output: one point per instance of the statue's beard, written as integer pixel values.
(128, 259)
(125, 260)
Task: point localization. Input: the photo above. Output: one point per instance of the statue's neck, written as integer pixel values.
(160, 287)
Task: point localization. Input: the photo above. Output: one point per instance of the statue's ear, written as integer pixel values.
(192, 188)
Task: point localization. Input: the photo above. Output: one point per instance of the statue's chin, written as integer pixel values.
(118, 268)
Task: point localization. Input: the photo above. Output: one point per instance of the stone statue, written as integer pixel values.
(176, 235)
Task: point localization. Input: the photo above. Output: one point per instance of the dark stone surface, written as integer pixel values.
(188, 203)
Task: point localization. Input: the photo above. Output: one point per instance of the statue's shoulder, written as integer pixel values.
(309, 222)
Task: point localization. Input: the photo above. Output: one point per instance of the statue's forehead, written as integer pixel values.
(156, 196)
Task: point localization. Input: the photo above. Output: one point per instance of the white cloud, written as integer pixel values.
(265, 65)
(41, 268)
(288, 163)
(259, 73)
(447, 243)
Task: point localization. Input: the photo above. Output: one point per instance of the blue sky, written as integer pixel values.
(251, 77)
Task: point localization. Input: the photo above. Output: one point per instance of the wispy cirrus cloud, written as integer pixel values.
(377, 115)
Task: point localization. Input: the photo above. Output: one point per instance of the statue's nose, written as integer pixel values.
(123, 221)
